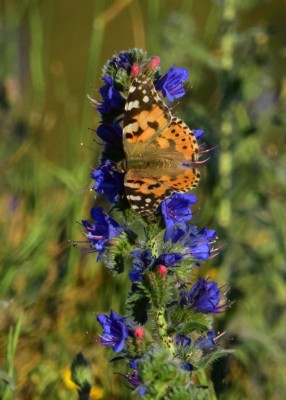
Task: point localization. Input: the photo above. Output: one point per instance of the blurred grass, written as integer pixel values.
(51, 58)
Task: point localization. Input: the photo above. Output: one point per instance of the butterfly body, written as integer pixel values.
(160, 149)
(147, 164)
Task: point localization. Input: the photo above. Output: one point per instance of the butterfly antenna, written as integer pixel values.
(198, 162)
(208, 150)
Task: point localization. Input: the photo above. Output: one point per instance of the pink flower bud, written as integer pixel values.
(162, 270)
(135, 70)
(154, 63)
(139, 333)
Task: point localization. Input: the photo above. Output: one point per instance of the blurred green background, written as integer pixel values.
(51, 55)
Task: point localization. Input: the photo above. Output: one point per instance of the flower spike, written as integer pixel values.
(149, 162)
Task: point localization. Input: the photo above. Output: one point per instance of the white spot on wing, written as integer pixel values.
(132, 104)
(145, 99)
(134, 198)
(131, 127)
(132, 185)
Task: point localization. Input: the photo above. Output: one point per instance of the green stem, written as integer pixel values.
(162, 330)
(83, 394)
(205, 381)
(228, 40)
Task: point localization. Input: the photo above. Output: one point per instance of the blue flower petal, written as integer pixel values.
(176, 208)
(101, 230)
(108, 181)
(171, 83)
(115, 332)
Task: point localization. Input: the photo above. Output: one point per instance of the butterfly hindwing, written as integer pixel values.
(146, 193)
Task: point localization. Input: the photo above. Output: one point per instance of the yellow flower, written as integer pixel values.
(96, 392)
(66, 376)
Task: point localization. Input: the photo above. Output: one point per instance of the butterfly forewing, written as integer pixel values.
(145, 116)
(178, 138)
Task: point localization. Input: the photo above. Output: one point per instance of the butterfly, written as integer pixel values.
(160, 149)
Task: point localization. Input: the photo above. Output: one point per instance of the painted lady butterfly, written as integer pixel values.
(160, 149)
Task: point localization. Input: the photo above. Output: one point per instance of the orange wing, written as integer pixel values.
(145, 116)
(146, 193)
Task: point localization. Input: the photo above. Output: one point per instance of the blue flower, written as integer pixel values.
(115, 332)
(134, 378)
(101, 231)
(135, 275)
(206, 342)
(142, 260)
(176, 208)
(182, 340)
(110, 133)
(133, 363)
(204, 296)
(113, 146)
(108, 181)
(174, 233)
(171, 83)
(124, 60)
(169, 259)
(136, 382)
(199, 243)
(196, 244)
(187, 366)
(113, 103)
(198, 133)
